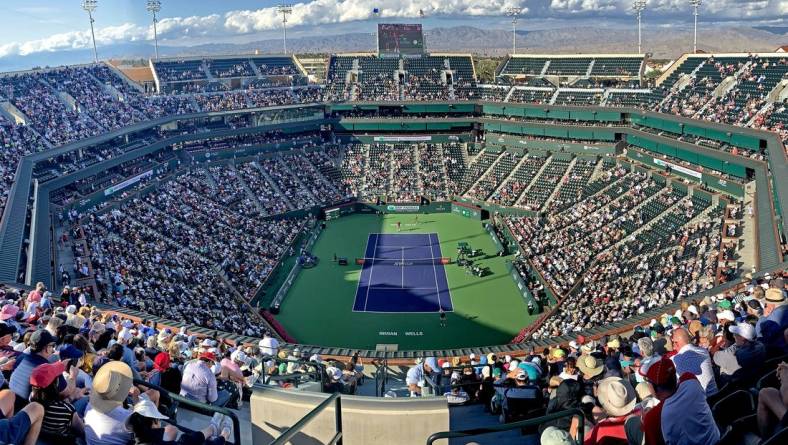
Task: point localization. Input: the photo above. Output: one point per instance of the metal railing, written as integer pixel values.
(316, 371)
(335, 399)
(536, 421)
(195, 406)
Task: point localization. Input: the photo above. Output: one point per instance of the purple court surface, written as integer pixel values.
(399, 275)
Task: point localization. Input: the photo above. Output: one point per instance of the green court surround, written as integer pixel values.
(318, 308)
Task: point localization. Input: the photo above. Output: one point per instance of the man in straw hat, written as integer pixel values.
(775, 309)
(591, 368)
(107, 412)
(617, 398)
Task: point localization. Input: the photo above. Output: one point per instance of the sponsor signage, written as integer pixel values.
(678, 168)
(127, 183)
(402, 138)
(399, 208)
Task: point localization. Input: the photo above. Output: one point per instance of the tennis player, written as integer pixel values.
(399, 226)
(443, 317)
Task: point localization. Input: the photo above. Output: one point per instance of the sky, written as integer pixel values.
(40, 26)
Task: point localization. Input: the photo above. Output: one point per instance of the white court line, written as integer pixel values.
(394, 288)
(371, 268)
(435, 274)
(402, 268)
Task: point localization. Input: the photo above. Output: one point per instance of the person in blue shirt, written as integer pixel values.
(42, 346)
(419, 375)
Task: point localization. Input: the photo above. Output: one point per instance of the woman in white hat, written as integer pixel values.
(145, 424)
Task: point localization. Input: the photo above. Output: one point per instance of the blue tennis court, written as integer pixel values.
(400, 274)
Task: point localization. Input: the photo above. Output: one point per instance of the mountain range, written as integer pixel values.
(661, 42)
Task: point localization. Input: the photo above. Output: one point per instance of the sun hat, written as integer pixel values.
(238, 356)
(616, 396)
(614, 343)
(9, 311)
(643, 390)
(590, 365)
(555, 436)
(558, 353)
(694, 326)
(588, 347)
(146, 408)
(773, 296)
(745, 330)
(44, 375)
(111, 385)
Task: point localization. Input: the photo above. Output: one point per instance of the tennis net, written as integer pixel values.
(403, 261)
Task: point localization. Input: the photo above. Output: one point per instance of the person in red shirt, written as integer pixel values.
(662, 376)
(617, 398)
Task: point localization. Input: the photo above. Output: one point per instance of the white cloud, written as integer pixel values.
(322, 12)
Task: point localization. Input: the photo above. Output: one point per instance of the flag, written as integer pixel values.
(376, 11)
(421, 13)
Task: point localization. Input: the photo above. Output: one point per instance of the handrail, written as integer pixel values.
(511, 426)
(198, 406)
(319, 371)
(298, 426)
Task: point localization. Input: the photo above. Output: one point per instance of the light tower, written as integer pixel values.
(513, 12)
(639, 6)
(89, 6)
(284, 9)
(696, 6)
(153, 7)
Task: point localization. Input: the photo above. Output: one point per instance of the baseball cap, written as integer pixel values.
(210, 356)
(724, 304)
(70, 351)
(726, 315)
(41, 338)
(745, 330)
(43, 375)
(661, 371)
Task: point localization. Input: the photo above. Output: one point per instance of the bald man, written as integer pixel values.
(692, 359)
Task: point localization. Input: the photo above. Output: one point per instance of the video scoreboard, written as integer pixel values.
(400, 39)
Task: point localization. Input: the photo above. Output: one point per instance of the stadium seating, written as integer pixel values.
(521, 178)
(488, 183)
(181, 230)
(544, 184)
(539, 96)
